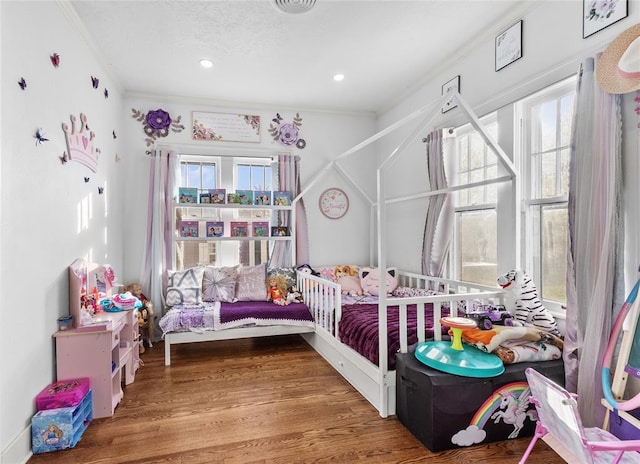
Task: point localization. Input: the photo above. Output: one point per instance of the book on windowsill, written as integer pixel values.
(245, 197)
(215, 228)
(262, 198)
(279, 231)
(239, 228)
(205, 197)
(218, 196)
(188, 228)
(260, 229)
(282, 198)
(187, 195)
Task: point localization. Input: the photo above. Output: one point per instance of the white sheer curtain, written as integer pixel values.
(439, 222)
(594, 231)
(289, 181)
(163, 179)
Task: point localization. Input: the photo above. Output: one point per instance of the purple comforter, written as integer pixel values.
(220, 316)
(243, 313)
(358, 329)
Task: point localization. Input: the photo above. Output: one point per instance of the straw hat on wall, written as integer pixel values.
(618, 68)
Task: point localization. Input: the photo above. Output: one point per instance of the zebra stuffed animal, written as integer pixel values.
(522, 299)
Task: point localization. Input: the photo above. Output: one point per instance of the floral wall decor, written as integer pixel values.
(287, 133)
(157, 123)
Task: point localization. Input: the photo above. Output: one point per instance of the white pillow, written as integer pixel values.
(219, 283)
(185, 287)
(252, 284)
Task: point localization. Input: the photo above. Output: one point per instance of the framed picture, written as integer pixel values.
(452, 84)
(220, 127)
(596, 15)
(509, 46)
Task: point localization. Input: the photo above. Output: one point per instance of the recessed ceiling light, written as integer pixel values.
(206, 63)
(338, 77)
(294, 6)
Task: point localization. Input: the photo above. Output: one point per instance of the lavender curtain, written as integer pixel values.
(289, 180)
(594, 235)
(439, 222)
(163, 178)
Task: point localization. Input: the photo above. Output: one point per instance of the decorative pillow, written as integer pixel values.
(185, 287)
(252, 283)
(288, 273)
(219, 283)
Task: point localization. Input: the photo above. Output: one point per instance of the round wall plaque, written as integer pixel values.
(334, 203)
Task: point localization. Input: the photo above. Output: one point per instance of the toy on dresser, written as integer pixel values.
(145, 316)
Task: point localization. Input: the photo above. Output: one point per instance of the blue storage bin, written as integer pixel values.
(57, 429)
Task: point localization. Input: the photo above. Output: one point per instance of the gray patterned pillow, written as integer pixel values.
(219, 283)
(185, 287)
(288, 273)
(252, 283)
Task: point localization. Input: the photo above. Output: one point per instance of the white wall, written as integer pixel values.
(553, 48)
(41, 198)
(327, 135)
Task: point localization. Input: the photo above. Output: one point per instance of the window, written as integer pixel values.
(545, 140)
(475, 250)
(230, 173)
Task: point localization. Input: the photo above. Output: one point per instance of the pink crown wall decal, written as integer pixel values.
(80, 143)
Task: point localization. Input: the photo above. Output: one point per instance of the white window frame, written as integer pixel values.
(464, 130)
(530, 206)
(228, 252)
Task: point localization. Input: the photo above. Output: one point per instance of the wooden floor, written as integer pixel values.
(257, 401)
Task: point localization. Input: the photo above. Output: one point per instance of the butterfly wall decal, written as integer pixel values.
(22, 83)
(39, 136)
(55, 60)
(277, 119)
(64, 158)
(86, 179)
(106, 93)
(114, 134)
(95, 82)
(100, 190)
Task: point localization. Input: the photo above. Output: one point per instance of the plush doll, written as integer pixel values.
(277, 290)
(306, 269)
(145, 316)
(370, 280)
(347, 277)
(294, 295)
(521, 299)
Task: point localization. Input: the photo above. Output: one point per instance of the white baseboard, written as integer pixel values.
(19, 450)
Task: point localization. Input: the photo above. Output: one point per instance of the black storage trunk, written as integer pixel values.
(446, 411)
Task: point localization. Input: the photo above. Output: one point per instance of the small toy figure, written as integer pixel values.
(145, 316)
(294, 295)
(277, 290)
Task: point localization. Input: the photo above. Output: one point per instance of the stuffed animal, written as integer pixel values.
(277, 290)
(294, 295)
(348, 279)
(370, 280)
(521, 299)
(145, 316)
(306, 269)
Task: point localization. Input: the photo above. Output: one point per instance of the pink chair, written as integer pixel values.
(559, 425)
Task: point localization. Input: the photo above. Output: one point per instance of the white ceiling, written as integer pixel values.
(261, 55)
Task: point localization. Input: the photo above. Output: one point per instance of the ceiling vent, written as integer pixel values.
(294, 6)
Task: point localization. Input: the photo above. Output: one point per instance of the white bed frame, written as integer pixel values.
(176, 338)
(377, 383)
